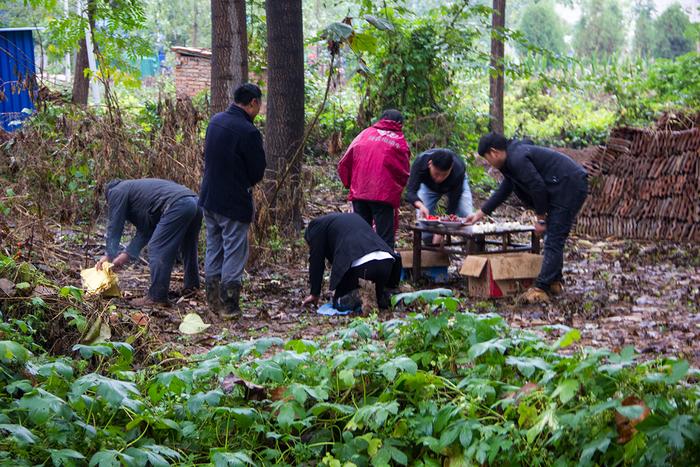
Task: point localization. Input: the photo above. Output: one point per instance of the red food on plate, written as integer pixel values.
(451, 218)
(432, 218)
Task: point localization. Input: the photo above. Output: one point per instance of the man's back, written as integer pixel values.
(234, 161)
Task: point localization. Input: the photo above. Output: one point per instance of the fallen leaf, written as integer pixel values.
(192, 324)
(140, 319)
(43, 291)
(7, 287)
(253, 391)
(626, 426)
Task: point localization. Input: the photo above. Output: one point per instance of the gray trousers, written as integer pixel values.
(177, 230)
(227, 248)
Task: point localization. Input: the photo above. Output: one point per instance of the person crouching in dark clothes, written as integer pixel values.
(549, 182)
(355, 252)
(167, 218)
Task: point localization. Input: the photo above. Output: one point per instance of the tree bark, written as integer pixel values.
(81, 83)
(284, 128)
(498, 22)
(229, 47)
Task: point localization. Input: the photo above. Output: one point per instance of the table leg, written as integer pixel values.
(505, 239)
(535, 243)
(416, 255)
(481, 243)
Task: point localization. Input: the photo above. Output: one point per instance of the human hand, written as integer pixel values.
(540, 229)
(310, 300)
(423, 211)
(120, 260)
(99, 264)
(474, 218)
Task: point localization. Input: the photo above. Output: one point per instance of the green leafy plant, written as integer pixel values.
(446, 387)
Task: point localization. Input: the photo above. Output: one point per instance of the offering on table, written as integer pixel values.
(498, 227)
(429, 220)
(451, 221)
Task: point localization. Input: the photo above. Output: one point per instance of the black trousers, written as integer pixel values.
(383, 272)
(381, 214)
(559, 222)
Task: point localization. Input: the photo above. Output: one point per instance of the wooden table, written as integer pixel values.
(475, 243)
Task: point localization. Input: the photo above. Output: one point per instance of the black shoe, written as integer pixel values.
(230, 295)
(384, 301)
(213, 286)
(349, 301)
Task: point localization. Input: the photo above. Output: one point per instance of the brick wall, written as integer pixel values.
(192, 74)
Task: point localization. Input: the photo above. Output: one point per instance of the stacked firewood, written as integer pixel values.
(644, 184)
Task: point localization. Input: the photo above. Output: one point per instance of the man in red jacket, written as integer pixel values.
(375, 168)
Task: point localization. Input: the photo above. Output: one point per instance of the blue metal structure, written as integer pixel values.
(17, 70)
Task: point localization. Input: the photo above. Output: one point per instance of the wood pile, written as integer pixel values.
(644, 184)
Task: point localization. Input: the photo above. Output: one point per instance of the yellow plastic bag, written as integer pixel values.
(104, 282)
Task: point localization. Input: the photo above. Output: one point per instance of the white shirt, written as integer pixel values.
(375, 255)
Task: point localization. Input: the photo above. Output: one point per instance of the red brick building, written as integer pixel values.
(192, 70)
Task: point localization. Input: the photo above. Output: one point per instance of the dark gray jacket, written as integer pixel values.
(540, 177)
(141, 202)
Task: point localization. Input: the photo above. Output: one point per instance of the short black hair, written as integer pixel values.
(442, 159)
(490, 141)
(392, 114)
(246, 93)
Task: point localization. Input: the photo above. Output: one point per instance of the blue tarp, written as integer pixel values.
(17, 71)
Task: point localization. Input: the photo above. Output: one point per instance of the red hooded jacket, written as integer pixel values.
(376, 165)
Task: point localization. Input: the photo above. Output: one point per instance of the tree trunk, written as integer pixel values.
(284, 127)
(195, 25)
(498, 22)
(81, 84)
(229, 47)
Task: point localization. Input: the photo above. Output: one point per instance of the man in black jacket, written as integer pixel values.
(550, 183)
(355, 252)
(167, 218)
(434, 173)
(234, 161)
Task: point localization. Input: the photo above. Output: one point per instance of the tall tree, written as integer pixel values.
(542, 27)
(672, 33)
(498, 22)
(229, 43)
(644, 31)
(81, 83)
(284, 127)
(600, 32)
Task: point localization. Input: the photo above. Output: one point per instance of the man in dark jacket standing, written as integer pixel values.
(167, 218)
(550, 183)
(234, 161)
(355, 252)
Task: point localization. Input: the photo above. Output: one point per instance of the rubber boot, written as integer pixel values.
(213, 286)
(230, 296)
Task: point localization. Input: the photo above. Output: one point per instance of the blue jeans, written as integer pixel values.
(227, 248)
(431, 200)
(177, 230)
(560, 219)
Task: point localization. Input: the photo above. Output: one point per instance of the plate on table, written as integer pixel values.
(429, 222)
(451, 221)
(452, 224)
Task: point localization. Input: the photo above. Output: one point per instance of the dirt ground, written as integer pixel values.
(617, 293)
